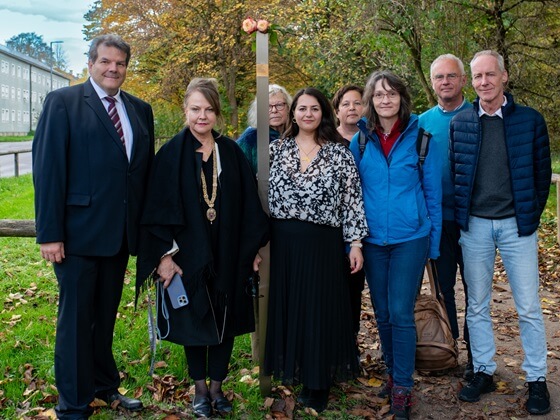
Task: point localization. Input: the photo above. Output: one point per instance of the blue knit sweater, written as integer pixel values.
(436, 121)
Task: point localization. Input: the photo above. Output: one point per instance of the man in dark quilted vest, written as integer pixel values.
(500, 161)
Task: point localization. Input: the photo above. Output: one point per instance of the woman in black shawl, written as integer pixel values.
(203, 220)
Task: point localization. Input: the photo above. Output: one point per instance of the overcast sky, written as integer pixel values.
(55, 20)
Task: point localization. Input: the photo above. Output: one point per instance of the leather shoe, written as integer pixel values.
(202, 407)
(131, 404)
(222, 405)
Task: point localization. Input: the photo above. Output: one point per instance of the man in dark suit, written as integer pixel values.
(92, 151)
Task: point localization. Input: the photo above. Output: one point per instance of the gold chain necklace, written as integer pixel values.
(211, 212)
(306, 158)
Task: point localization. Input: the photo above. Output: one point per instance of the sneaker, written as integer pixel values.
(387, 388)
(480, 384)
(400, 402)
(539, 398)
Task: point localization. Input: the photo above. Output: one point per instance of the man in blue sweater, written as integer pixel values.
(500, 161)
(447, 73)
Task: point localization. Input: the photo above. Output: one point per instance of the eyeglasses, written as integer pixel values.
(279, 106)
(379, 96)
(451, 77)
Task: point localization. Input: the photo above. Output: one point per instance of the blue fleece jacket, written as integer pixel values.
(400, 205)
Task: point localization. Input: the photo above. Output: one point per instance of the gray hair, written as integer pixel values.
(272, 90)
(491, 53)
(447, 57)
(109, 40)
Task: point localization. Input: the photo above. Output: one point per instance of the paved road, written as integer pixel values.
(7, 162)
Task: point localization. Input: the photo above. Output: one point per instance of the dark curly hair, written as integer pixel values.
(326, 131)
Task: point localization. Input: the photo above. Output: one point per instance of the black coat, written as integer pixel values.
(215, 275)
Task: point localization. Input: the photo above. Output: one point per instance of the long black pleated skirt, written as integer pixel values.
(310, 338)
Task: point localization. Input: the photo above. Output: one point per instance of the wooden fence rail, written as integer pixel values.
(17, 228)
(26, 228)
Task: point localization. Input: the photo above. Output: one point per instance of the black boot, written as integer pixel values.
(318, 399)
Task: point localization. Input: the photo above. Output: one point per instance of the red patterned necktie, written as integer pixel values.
(114, 115)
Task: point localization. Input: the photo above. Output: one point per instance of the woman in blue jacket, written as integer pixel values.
(403, 211)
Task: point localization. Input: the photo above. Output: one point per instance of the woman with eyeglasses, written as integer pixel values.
(202, 220)
(316, 207)
(279, 101)
(403, 211)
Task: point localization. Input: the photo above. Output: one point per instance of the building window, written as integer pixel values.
(34, 97)
(5, 67)
(25, 116)
(25, 95)
(19, 71)
(13, 115)
(26, 74)
(13, 69)
(19, 94)
(13, 93)
(19, 116)
(5, 91)
(34, 77)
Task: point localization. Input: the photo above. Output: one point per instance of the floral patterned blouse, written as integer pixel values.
(328, 192)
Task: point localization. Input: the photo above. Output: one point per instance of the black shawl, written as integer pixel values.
(173, 211)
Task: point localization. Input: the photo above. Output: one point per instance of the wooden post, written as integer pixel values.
(556, 180)
(263, 173)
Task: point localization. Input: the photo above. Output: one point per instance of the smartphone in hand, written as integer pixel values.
(177, 292)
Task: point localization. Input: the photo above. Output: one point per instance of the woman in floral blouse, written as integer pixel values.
(316, 205)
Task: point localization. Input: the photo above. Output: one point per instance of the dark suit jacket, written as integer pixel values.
(87, 193)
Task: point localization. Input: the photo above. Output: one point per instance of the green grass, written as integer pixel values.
(17, 197)
(4, 139)
(29, 293)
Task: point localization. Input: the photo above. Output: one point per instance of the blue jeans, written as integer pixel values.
(394, 273)
(519, 255)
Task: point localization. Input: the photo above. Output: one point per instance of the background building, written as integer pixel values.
(24, 83)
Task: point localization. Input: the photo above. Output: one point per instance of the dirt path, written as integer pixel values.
(436, 397)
